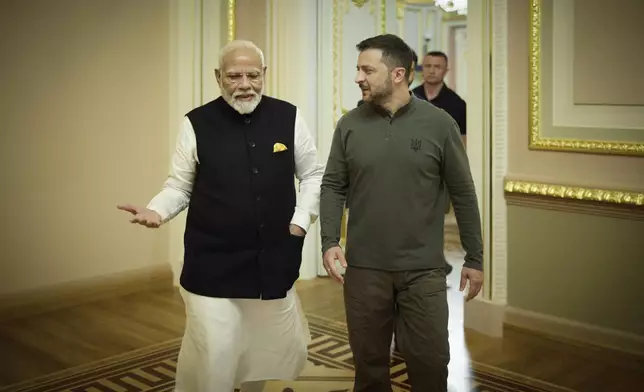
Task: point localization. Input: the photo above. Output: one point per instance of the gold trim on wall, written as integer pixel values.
(621, 197)
(383, 16)
(231, 19)
(539, 142)
(400, 9)
(270, 86)
(336, 59)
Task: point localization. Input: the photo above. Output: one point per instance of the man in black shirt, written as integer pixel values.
(434, 89)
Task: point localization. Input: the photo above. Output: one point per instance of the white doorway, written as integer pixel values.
(467, 41)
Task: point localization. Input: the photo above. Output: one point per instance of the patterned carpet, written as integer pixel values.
(329, 370)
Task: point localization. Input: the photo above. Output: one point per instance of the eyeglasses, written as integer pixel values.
(237, 77)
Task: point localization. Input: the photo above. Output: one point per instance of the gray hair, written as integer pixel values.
(239, 44)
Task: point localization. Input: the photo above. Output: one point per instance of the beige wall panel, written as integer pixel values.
(580, 267)
(608, 52)
(251, 22)
(84, 108)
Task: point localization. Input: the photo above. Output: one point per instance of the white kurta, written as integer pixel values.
(231, 341)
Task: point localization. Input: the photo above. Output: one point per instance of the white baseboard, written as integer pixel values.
(41, 300)
(485, 317)
(573, 331)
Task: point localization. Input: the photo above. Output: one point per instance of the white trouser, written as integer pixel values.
(228, 342)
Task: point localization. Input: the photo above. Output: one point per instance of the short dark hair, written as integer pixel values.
(438, 53)
(395, 52)
(414, 57)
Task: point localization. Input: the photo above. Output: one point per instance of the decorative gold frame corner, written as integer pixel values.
(539, 142)
(613, 196)
(232, 16)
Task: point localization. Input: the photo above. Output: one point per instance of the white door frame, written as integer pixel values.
(487, 134)
(487, 125)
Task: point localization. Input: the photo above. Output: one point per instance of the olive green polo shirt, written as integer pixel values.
(392, 173)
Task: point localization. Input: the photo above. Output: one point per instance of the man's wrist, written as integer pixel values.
(301, 220)
(328, 245)
(473, 265)
(297, 230)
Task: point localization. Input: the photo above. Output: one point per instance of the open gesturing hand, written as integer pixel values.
(142, 216)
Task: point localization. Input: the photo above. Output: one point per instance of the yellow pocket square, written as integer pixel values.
(279, 147)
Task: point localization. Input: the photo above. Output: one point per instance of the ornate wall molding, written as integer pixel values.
(630, 212)
(570, 192)
(231, 19)
(536, 140)
(383, 16)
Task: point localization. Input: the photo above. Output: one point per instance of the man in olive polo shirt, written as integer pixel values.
(394, 156)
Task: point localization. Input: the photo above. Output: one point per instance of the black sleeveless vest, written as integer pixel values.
(237, 240)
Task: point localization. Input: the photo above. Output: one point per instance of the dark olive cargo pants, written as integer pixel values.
(414, 303)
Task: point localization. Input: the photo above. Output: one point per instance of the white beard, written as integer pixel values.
(243, 107)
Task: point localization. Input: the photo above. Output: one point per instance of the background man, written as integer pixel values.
(393, 157)
(434, 90)
(234, 166)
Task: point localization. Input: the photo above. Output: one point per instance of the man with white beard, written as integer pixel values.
(234, 167)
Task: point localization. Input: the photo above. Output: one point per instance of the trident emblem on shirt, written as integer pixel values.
(415, 144)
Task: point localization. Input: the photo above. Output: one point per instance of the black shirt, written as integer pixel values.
(448, 100)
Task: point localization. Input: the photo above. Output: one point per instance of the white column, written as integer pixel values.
(499, 149)
(459, 75)
(292, 76)
(196, 36)
(486, 147)
(478, 113)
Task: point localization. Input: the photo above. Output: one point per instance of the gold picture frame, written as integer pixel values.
(537, 141)
(231, 8)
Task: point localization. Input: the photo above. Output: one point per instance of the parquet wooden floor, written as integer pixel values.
(46, 343)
